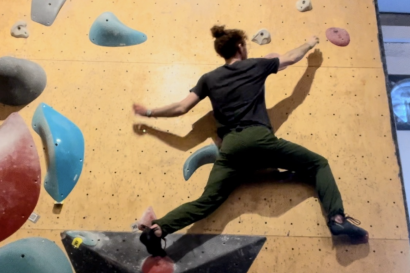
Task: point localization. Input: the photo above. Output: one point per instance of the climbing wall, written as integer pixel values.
(334, 103)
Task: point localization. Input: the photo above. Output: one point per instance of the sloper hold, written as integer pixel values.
(107, 30)
(338, 36)
(20, 175)
(146, 219)
(45, 11)
(262, 37)
(122, 252)
(304, 5)
(205, 155)
(21, 81)
(19, 30)
(65, 150)
(34, 255)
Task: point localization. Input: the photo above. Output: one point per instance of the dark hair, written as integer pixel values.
(227, 40)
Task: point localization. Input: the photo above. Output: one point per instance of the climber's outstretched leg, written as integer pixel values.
(222, 181)
(283, 154)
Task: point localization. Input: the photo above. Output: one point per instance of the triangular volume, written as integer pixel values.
(123, 252)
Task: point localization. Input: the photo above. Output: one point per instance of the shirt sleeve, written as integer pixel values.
(201, 88)
(269, 66)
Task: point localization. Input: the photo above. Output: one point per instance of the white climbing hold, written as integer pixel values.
(262, 37)
(19, 30)
(45, 12)
(304, 5)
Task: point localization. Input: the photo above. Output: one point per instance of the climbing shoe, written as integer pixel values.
(152, 242)
(349, 227)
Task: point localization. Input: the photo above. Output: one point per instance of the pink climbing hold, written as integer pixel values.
(20, 175)
(146, 219)
(338, 36)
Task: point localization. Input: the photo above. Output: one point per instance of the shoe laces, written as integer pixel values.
(352, 220)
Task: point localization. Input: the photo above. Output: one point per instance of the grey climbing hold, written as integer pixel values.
(107, 30)
(304, 5)
(21, 81)
(45, 11)
(262, 37)
(205, 155)
(19, 30)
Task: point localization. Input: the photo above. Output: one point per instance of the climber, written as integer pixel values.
(237, 93)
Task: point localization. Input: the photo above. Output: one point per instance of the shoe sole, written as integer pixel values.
(360, 240)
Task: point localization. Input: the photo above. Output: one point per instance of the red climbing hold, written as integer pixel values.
(20, 175)
(338, 36)
(158, 265)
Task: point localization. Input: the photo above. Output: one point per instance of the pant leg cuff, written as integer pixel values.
(336, 212)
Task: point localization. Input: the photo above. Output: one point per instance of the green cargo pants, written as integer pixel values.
(244, 152)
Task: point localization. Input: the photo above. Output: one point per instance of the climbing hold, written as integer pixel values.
(87, 238)
(21, 81)
(65, 150)
(19, 30)
(304, 5)
(205, 155)
(20, 175)
(45, 11)
(262, 37)
(146, 218)
(34, 255)
(107, 30)
(123, 252)
(158, 265)
(338, 36)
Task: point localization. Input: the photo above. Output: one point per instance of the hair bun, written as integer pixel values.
(218, 31)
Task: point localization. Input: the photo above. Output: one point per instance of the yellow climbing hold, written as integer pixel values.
(77, 242)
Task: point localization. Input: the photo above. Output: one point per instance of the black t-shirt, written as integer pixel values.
(237, 93)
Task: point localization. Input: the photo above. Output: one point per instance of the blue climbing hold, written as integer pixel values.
(205, 155)
(107, 30)
(65, 149)
(34, 255)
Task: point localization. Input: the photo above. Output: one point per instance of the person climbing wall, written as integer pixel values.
(237, 92)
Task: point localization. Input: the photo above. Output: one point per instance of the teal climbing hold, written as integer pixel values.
(107, 30)
(65, 148)
(205, 155)
(34, 255)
